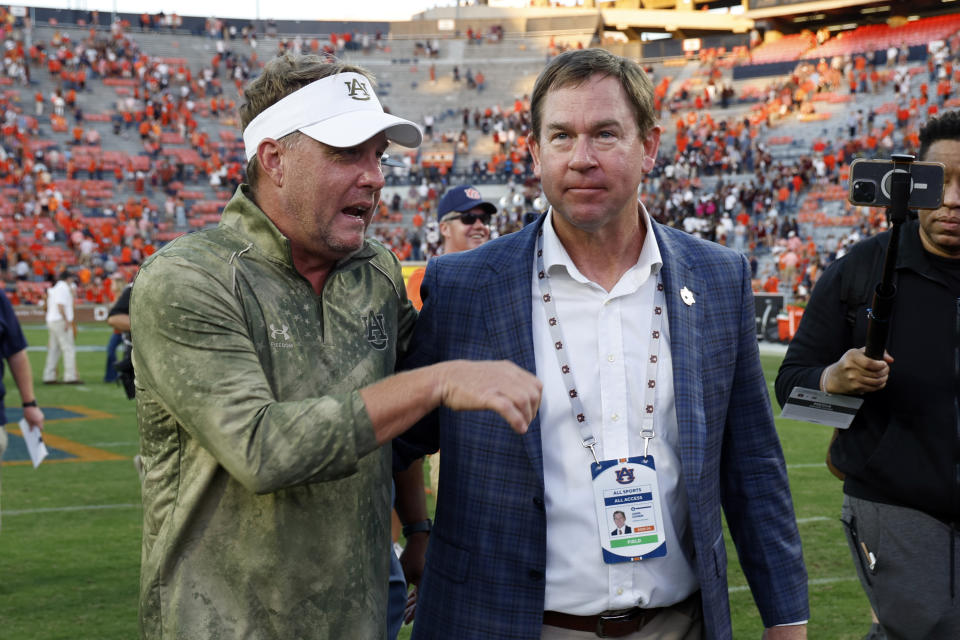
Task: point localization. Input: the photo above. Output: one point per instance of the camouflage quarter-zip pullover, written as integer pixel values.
(266, 499)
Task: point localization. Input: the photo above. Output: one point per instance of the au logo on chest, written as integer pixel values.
(357, 89)
(375, 330)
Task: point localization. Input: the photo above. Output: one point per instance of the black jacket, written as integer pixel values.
(902, 447)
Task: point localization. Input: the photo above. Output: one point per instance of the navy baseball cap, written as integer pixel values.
(463, 198)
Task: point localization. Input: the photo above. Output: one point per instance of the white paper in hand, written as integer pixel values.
(33, 438)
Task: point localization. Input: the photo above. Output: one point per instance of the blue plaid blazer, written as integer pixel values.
(486, 559)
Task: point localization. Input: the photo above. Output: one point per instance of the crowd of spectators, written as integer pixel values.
(721, 177)
(74, 201)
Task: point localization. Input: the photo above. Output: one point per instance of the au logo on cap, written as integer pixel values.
(356, 88)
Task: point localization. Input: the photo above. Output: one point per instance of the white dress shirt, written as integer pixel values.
(606, 335)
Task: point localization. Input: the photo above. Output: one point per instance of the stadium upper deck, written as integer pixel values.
(159, 148)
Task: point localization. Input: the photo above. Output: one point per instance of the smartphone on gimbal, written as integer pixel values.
(870, 183)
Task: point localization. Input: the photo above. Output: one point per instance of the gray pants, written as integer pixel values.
(912, 577)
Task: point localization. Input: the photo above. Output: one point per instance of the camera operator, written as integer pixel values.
(901, 454)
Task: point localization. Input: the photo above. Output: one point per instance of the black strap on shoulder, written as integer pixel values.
(858, 282)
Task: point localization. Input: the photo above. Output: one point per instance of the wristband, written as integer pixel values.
(417, 527)
(32, 403)
(823, 378)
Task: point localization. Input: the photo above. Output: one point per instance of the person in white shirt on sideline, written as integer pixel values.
(62, 325)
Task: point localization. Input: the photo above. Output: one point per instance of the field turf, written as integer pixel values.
(70, 541)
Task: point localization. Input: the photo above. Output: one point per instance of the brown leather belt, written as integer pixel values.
(614, 624)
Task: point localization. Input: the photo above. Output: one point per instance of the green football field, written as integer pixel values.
(70, 542)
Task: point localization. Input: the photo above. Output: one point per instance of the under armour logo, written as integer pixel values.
(279, 333)
(357, 89)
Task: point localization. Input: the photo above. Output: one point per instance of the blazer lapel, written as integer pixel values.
(507, 308)
(685, 322)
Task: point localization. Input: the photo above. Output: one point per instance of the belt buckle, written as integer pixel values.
(620, 618)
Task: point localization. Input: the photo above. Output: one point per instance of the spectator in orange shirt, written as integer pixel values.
(772, 284)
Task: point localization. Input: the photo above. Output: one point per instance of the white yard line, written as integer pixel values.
(113, 444)
(814, 582)
(88, 507)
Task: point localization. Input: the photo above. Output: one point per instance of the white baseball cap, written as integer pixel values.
(340, 110)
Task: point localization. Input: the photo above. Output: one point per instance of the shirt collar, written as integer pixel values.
(648, 263)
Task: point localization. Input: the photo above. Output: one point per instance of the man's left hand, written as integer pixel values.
(412, 560)
(413, 557)
(790, 632)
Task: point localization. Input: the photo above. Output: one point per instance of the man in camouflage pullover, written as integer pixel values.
(264, 351)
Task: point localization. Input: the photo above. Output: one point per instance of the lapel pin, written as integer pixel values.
(687, 296)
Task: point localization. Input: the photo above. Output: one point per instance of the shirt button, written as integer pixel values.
(615, 417)
(619, 591)
(610, 358)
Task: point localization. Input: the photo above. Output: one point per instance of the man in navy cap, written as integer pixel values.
(464, 218)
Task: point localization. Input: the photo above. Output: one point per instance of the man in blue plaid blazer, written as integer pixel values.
(494, 569)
